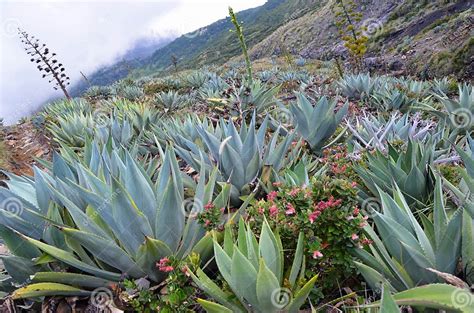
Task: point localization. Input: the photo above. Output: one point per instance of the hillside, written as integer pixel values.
(401, 34)
(215, 43)
(413, 36)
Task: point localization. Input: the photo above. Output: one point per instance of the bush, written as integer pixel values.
(327, 213)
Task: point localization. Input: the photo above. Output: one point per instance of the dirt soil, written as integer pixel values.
(24, 144)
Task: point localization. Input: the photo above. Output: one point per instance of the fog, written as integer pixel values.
(86, 35)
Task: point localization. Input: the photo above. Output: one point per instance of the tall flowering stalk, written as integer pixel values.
(47, 62)
(240, 34)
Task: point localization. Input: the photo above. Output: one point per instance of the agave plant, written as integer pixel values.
(461, 110)
(414, 87)
(465, 197)
(254, 271)
(250, 97)
(64, 107)
(100, 92)
(404, 250)
(213, 88)
(442, 86)
(103, 227)
(266, 76)
(316, 124)
(389, 99)
(358, 86)
(171, 100)
(197, 79)
(240, 155)
(373, 132)
(72, 128)
(132, 93)
(409, 170)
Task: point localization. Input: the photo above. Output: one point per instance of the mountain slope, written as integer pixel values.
(410, 35)
(215, 44)
(406, 36)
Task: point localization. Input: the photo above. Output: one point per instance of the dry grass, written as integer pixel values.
(3, 155)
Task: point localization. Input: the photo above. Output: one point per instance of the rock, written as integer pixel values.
(395, 65)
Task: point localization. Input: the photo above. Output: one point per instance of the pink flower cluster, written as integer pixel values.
(164, 265)
(323, 205)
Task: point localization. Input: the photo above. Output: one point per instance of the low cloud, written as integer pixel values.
(86, 35)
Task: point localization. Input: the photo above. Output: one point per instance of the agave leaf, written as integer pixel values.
(242, 237)
(267, 284)
(150, 252)
(70, 259)
(301, 295)
(170, 219)
(17, 245)
(372, 277)
(48, 289)
(223, 261)
(19, 268)
(388, 304)
(72, 279)
(296, 266)
(468, 246)
(106, 251)
(139, 186)
(244, 278)
(212, 307)
(208, 285)
(435, 296)
(269, 251)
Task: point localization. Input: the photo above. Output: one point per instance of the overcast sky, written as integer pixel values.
(86, 35)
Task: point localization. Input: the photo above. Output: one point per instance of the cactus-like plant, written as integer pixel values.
(103, 219)
(255, 273)
(409, 170)
(402, 240)
(316, 124)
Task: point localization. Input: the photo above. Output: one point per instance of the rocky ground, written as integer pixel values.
(25, 144)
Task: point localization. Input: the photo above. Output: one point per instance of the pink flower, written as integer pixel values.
(290, 209)
(163, 265)
(366, 241)
(354, 184)
(317, 254)
(313, 216)
(272, 196)
(273, 210)
(294, 192)
(362, 225)
(261, 210)
(207, 222)
(354, 237)
(208, 206)
(222, 210)
(356, 211)
(277, 184)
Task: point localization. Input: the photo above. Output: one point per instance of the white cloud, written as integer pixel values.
(86, 34)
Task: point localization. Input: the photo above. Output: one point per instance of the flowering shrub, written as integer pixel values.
(339, 163)
(210, 218)
(178, 295)
(327, 213)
